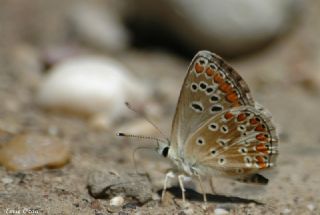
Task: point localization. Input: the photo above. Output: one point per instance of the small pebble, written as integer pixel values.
(95, 204)
(286, 211)
(311, 207)
(184, 205)
(188, 211)
(7, 180)
(130, 206)
(117, 201)
(113, 209)
(33, 151)
(53, 131)
(156, 197)
(220, 211)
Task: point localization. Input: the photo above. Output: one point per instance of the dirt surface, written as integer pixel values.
(284, 77)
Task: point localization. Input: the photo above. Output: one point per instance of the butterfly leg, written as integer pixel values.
(180, 178)
(169, 174)
(203, 191)
(211, 185)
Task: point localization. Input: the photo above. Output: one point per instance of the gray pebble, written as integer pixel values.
(107, 184)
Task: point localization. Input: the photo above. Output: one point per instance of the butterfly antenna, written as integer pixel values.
(120, 134)
(141, 114)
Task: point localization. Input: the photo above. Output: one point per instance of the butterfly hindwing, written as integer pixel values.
(254, 179)
(237, 141)
(211, 86)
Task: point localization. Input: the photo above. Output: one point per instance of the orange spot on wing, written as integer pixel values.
(224, 87)
(241, 117)
(232, 97)
(209, 71)
(253, 121)
(217, 78)
(260, 128)
(262, 164)
(261, 137)
(228, 115)
(198, 68)
(261, 148)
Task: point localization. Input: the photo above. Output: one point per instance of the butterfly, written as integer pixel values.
(218, 129)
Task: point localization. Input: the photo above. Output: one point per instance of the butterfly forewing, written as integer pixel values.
(239, 140)
(210, 87)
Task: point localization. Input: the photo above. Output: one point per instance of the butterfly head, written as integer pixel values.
(162, 144)
(163, 147)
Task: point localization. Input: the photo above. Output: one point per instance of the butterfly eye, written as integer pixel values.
(165, 151)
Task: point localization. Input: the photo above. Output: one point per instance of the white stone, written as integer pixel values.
(90, 85)
(286, 211)
(117, 201)
(227, 27)
(220, 211)
(7, 180)
(100, 27)
(311, 207)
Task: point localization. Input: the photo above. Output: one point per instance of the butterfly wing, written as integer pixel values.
(238, 141)
(210, 86)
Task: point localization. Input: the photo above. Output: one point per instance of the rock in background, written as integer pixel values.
(228, 27)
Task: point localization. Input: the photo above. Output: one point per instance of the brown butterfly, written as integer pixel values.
(218, 129)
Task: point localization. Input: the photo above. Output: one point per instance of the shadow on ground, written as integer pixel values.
(192, 195)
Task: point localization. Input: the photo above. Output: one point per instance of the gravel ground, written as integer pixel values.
(283, 77)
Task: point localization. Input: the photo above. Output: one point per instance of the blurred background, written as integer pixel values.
(67, 67)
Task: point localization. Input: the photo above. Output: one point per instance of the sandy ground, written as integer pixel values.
(283, 77)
